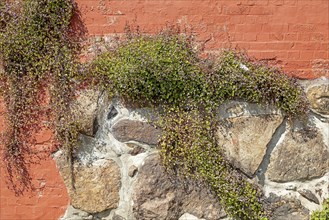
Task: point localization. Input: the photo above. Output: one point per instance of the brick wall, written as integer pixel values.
(290, 33)
(49, 200)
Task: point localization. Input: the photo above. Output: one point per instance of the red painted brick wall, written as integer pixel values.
(49, 200)
(291, 33)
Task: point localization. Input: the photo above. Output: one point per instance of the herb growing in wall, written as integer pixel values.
(38, 53)
(323, 214)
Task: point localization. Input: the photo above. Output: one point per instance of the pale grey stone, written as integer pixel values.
(244, 139)
(302, 155)
(92, 188)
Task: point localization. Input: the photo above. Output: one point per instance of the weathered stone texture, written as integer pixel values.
(318, 97)
(157, 196)
(129, 130)
(283, 208)
(302, 155)
(308, 194)
(135, 149)
(244, 139)
(92, 188)
(84, 109)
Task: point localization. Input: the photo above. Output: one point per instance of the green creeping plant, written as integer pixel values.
(323, 214)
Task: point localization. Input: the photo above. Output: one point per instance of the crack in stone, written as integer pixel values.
(262, 168)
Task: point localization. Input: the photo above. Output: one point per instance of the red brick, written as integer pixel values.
(263, 37)
(284, 15)
(237, 19)
(321, 55)
(318, 36)
(280, 45)
(277, 2)
(300, 64)
(276, 36)
(22, 207)
(269, 28)
(318, 15)
(282, 54)
(323, 27)
(241, 45)
(256, 45)
(268, 55)
(236, 36)
(306, 54)
(51, 212)
(8, 213)
(325, 46)
(253, 2)
(12, 201)
(248, 28)
(301, 28)
(290, 37)
(236, 10)
(254, 54)
(290, 2)
(27, 200)
(293, 55)
(254, 19)
(304, 36)
(4, 215)
(260, 10)
(307, 46)
(314, 2)
(216, 19)
(301, 73)
(250, 37)
(25, 210)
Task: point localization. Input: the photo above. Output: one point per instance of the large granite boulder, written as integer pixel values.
(301, 155)
(245, 133)
(159, 196)
(92, 187)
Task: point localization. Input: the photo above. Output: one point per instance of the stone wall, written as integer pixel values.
(117, 171)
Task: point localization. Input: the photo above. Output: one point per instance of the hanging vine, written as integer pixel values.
(37, 47)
